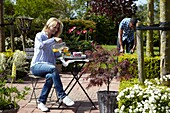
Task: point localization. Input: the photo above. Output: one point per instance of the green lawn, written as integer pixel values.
(109, 47)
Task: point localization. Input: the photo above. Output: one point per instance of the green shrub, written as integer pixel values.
(151, 65)
(8, 58)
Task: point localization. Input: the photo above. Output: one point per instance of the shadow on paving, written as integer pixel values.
(79, 107)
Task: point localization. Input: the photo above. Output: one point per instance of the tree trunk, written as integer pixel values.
(149, 41)
(165, 37)
(2, 37)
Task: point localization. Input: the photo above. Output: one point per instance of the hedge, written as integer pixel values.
(151, 65)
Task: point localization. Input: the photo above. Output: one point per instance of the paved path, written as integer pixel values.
(82, 103)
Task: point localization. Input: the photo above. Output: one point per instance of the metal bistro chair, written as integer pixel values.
(35, 79)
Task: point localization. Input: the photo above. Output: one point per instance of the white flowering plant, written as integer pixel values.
(153, 97)
(165, 80)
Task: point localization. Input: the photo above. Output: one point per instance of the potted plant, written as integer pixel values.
(9, 94)
(102, 68)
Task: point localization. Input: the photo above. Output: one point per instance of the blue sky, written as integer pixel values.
(139, 2)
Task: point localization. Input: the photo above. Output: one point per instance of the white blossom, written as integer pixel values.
(152, 98)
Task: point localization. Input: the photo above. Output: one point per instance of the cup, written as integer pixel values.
(65, 49)
(58, 47)
(68, 54)
(55, 48)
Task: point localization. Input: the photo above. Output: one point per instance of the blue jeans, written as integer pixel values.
(51, 74)
(129, 45)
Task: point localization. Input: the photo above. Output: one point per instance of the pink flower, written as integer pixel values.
(84, 31)
(78, 32)
(91, 30)
(72, 29)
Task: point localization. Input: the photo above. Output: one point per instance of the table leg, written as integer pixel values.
(77, 81)
(76, 77)
(75, 72)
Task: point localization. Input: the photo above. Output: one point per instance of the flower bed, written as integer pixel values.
(151, 98)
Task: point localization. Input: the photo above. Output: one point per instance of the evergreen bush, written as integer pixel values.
(151, 65)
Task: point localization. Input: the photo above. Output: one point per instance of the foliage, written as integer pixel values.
(105, 29)
(18, 43)
(165, 80)
(127, 83)
(5, 63)
(10, 95)
(19, 58)
(78, 34)
(8, 58)
(151, 65)
(78, 8)
(45, 8)
(117, 9)
(142, 12)
(104, 66)
(150, 98)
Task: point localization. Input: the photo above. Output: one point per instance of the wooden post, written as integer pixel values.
(2, 34)
(140, 53)
(12, 36)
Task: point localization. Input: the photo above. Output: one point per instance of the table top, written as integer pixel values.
(66, 60)
(74, 57)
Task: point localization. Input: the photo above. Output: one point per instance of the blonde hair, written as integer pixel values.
(53, 22)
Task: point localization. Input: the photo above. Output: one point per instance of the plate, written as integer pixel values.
(73, 57)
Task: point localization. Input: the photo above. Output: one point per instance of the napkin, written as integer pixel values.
(66, 63)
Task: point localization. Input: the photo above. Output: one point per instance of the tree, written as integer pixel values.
(115, 9)
(149, 41)
(165, 37)
(143, 13)
(41, 9)
(77, 8)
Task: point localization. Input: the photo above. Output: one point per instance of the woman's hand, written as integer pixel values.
(58, 40)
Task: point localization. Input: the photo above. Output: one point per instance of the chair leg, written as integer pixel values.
(34, 84)
(53, 89)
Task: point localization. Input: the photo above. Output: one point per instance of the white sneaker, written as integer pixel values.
(42, 107)
(67, 101)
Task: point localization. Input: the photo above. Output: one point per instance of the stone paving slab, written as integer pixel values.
(82, 103)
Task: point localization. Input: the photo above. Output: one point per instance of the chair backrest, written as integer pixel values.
(29, 53)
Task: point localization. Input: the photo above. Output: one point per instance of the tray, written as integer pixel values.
(73, 57)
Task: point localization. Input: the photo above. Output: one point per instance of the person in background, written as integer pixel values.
(126, 35)
(44, 62)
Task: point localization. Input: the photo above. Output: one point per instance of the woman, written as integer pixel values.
(44, 61)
